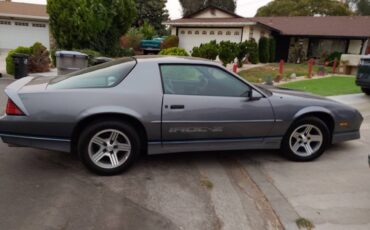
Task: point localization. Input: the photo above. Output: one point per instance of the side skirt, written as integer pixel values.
(214, 145)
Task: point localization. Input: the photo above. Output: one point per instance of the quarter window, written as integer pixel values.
(202, 80)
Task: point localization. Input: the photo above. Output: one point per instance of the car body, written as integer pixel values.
(363, 75)
(166, 105)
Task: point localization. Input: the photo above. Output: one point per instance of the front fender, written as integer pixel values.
(312, 109)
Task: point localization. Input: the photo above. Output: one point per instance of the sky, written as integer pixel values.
(246, 8)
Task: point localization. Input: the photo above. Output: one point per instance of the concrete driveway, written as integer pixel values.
(227, 190)
(333, 191)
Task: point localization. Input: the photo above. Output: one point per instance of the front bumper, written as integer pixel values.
(345, 136)
(363, 83)
(56, 144)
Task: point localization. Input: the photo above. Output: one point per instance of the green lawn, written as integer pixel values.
(260, 74)
(330, 86)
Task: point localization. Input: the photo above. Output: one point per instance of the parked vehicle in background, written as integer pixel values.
(152, 46)
(363, 75)
(111, 113)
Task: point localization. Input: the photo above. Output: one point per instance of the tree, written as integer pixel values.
(90, 24)
(362, 7)
(304, 8)
(252, 48)
(152, 11)
(264, 49)
(192, 6)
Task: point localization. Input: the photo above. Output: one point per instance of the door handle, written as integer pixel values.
(177, 107)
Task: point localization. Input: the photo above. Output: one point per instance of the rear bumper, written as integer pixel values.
(346, 136)
(57, 144)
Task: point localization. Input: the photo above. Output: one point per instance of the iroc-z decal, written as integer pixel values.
(196, 130)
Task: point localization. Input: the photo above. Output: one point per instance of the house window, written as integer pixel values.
(228, 33)
(236, 33)
(219, 33)
(190, 32)
(204, 32)
(251, 32)
(38, 25)
(182, 32)
(212, 32)
(21, 23)
(263, 33)
(5, 22)
(196, 32)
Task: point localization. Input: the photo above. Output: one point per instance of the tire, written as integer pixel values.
(366, 90)
(109, 147)
(297, 145)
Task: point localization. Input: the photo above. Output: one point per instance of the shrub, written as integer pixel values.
(264, 50)
(170, 41)
(91, 53)
(131, 39)
(174, 51)
(123, 52)
(227, 52)
(207, 50)
(9, 59)
(241, 53)
(39, 60)
(147, 30)
(272, 47)
(252, 48)
(335, 55)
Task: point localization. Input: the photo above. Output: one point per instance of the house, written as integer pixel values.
(315, 36)
(214, 23)
(23, 24)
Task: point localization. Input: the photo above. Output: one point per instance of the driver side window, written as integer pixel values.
(184, 79)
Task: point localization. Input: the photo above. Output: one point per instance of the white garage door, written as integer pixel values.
(23, 33)
(190, 37)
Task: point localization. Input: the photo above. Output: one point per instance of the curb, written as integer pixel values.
(283, 209)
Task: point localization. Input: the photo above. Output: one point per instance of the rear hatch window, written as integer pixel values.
(104, 75)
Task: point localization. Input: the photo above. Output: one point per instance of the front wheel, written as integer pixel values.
(366, 90)
(109, 147)
(306, 140)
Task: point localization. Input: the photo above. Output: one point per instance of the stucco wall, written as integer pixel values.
(12, 36)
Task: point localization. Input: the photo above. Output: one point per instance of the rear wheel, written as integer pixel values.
(306, 140)
(366, 91)
(109, 147)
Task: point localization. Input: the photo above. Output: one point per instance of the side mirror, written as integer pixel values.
(253, 95)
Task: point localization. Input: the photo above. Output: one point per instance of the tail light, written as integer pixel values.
(12, 109)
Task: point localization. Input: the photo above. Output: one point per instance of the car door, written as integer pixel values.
(206, 103)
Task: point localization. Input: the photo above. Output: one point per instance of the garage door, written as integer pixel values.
(16, 33)
(190, 37)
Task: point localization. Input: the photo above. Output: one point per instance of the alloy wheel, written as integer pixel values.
(306, 140)
(109, 148)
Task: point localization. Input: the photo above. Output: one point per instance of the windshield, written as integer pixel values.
(100, 76)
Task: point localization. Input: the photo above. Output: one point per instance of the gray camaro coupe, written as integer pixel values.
(111, 113)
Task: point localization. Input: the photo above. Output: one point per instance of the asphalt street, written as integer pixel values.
(217, 190)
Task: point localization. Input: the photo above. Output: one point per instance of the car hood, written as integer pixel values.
(290, 92)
